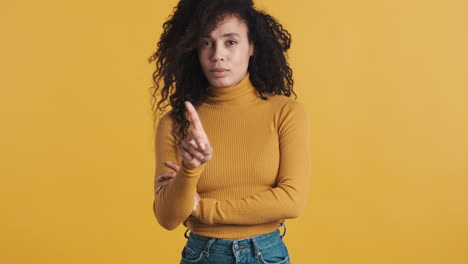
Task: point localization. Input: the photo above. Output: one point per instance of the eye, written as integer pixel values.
(206, 43)
(231, 42)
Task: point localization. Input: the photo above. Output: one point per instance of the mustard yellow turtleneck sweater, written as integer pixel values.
(258, 175)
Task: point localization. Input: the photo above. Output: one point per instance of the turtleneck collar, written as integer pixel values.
(238, 94)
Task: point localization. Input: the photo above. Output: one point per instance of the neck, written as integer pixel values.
(238, 94)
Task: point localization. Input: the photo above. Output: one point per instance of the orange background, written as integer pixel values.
(385, 83)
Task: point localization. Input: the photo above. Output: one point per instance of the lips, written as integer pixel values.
(218, 70)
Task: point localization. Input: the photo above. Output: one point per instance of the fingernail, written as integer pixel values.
(202, 146)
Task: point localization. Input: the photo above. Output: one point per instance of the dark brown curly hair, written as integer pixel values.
(178, 75)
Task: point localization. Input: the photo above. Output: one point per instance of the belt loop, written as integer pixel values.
(206, 250)
(185, 234)
(256, 249)
(284, 233)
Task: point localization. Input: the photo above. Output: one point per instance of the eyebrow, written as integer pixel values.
(227, 35)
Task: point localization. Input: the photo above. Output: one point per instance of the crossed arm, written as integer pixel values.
(173, 203)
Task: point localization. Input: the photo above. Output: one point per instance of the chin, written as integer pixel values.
(221, 82)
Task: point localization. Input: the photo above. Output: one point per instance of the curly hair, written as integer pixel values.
(178, 75)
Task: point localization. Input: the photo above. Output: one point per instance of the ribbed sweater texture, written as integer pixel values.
(258, 176)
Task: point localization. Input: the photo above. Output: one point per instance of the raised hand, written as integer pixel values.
(195, 149)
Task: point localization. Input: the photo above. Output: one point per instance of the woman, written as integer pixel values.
(240, 164)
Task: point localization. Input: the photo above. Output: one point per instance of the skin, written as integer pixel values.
(224, 58)
(227, 47)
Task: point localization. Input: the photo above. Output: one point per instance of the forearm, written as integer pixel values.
(282, 202)
(174, 203)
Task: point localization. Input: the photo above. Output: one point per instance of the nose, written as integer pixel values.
(218, 53)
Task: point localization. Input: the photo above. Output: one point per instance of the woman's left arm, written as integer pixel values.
(288, 198)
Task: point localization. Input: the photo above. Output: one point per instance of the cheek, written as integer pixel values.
(240, 57)
(203, 60)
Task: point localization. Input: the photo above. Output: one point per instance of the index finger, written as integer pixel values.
(197, 125)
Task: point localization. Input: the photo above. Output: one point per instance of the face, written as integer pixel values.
(224, 54)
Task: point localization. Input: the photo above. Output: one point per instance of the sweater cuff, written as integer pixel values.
(193, 172)
(205, 211)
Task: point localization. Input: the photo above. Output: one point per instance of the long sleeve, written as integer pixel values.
(288, 198)
(174, 203)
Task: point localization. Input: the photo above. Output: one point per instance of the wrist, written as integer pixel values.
(191, 167)
(192, 171)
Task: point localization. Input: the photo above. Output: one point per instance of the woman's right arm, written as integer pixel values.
(173, 203)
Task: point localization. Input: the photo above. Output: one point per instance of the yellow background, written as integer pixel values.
(385, 83)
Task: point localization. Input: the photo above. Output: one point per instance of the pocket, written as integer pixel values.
(191, 254)
(276, 254)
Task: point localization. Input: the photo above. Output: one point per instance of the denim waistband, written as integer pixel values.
(262, 239)
(252, 244)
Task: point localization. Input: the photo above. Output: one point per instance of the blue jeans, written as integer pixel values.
(262, 249)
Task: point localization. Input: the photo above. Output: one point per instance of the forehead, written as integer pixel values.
(230, 25)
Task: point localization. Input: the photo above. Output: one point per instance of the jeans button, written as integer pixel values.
(236, 247)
